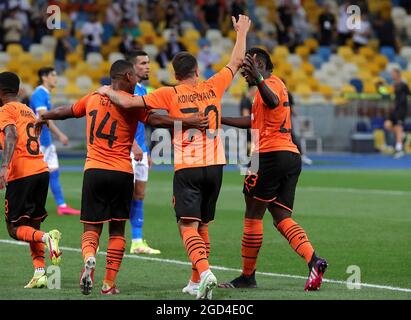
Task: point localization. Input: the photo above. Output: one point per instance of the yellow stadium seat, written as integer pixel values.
(299, 74)
(379, 139)
(367, 52)
(281, 51)
(326, 91)
(374, 69)
(337, 100)
(308, 68)
(369, 87)
(146, 27)
(314, 84)
(359, 60)
(381, 60)
(312, 44)
(347, 88)
(345, 52)
(303, 89)
(48, 58)
(192, 34)
(25, 59)
(364, 75)
(73, 58)
(303, 51)
(14, 50)
(285, 68)
(13, 65)
(72, 90)
(71, 74)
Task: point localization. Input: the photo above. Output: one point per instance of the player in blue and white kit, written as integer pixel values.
(141, 161)
(40, 103)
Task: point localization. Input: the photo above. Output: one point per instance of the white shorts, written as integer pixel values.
(50, 156)
(140, 168)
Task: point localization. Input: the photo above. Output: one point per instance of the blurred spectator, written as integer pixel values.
(212, 14)
(207, 57)
(286, 32)
(253, 40)
(270, 41)
(385, 30)
(342, 29)
(362, 35)
(237, 8)
(172, 18)
(301, 26)
(161, 57)
(13, 28)
(92, 31)
(128, 43)
(174, 46)
(114, 14)
(130, 28)
(130, 11)
(63, 47)
(326, 21)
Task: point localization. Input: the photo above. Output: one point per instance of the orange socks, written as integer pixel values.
(89, 244)
(115, 253)
(297, 238)
(251, 244)
(196, 249)
(203, 232)
(37, 254)
(29, 234)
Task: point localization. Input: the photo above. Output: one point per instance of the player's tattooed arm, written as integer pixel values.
(10, 139)
(252, 74)
(239, 122)
(121, 99)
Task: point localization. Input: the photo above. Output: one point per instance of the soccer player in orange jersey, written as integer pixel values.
(108, 175)
(273, 185)
(198, 156)
(23, 170)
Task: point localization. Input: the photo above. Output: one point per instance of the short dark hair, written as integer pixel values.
(184, 65)
(45, 71)
(131, 55)
(9, 83)
(262, 56)
(120, 67)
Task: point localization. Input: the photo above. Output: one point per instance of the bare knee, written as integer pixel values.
(12, 230)
(278, 213)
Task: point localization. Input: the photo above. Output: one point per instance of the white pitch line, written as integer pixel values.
(277, 275)
(358, 191)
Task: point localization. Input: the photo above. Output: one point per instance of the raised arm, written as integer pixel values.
(239, 122)
(237, 56)
(10, 139)
(121, 99)
(161, 121)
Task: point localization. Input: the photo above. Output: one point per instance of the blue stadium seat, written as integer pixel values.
(377, 123)
(357, 83)
(389, 52)
(324, 52)
(407, 127)
(386, 76)
(401, 61)
(316, 60)
(362, 126)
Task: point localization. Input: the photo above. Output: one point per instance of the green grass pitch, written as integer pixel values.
(356, 217)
